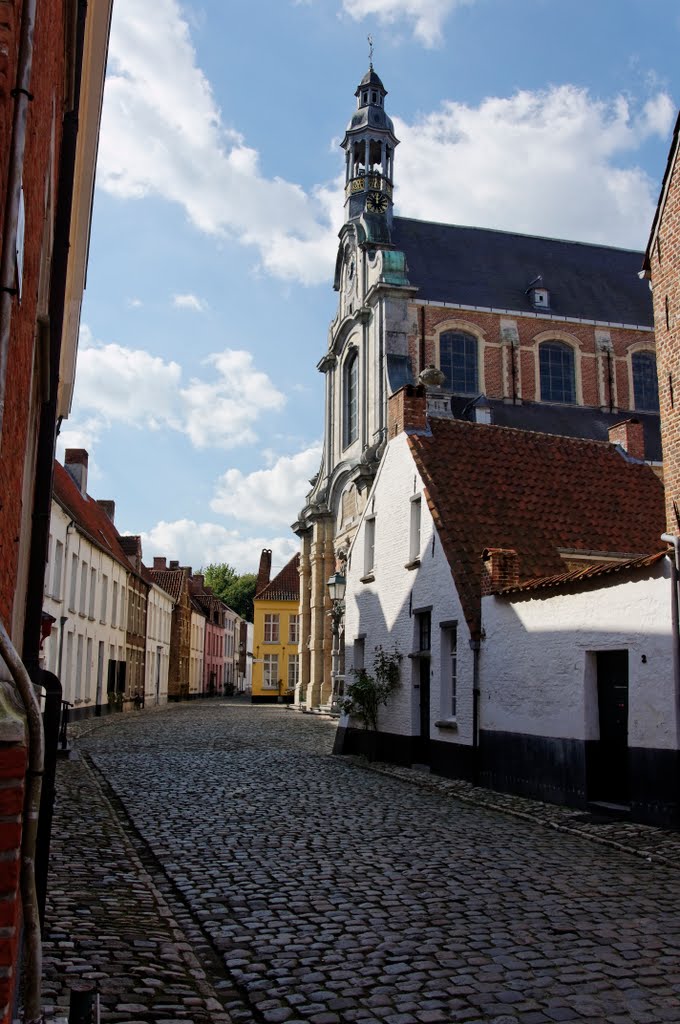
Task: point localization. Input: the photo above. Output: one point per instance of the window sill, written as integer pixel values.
(447, 723)
(419, 654)
(368, 578)
(413, 564)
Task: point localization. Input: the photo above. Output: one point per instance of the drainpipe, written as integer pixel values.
(675, 616)
(8, 273)
(475, 647)
(29, 896)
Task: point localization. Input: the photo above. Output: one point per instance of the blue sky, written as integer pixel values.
(218, 202)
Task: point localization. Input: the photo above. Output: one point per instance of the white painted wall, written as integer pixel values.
(79, 626)
(379, 609)
(158, 621)
(537, 667)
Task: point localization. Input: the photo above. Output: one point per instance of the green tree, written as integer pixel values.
(236, 590)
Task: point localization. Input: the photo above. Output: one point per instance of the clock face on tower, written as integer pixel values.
(376, 202)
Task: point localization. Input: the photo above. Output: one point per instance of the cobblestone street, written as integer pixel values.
(213, 862)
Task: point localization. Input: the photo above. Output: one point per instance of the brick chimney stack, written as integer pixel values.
(500, 569)
(630, 436)
(109, 507)
(264, 572)
(159, 563)
(75, 462)
(407, 410)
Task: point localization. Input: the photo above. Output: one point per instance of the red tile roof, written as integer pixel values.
(489, 486)
(285, 586)
(89, 517)
(171, 580)
(573, 578)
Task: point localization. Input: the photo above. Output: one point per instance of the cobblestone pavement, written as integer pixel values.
(214, 859)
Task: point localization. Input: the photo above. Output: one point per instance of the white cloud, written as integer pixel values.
(124, 385)
(134, 303)
(198, 544)
(556, 162)
(553, 162)
(426, 16)
(191, 302)
(163, 134)
(271, 496)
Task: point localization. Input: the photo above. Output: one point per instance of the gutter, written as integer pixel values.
(9, 283)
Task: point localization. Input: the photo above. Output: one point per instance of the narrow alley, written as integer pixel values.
(214, 862)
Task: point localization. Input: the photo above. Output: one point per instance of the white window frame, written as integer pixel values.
(294, 629)
(272, 628)
(293, 670)
(369, 545)
(270, 666)
(449, 669)
(414, 536)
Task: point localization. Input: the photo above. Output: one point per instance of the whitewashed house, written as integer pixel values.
(85, 593)
(461, 509)
(158, 623)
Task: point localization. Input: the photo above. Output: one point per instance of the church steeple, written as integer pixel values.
(369, 145)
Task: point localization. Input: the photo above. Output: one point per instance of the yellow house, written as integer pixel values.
(276, 633)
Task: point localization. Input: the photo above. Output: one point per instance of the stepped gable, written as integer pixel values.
(285, 586)
(89, 516)
(470, 266)
(539, 494)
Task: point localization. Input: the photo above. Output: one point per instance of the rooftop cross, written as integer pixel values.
(370, 51)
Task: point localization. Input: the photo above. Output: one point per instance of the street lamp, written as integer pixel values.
(336, 591)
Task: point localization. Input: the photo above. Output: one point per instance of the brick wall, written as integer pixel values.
(495, 368)
(22, 404)
(665, 271)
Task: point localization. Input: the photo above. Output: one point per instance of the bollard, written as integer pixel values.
(82, 1004)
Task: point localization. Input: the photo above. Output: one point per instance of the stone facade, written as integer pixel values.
(397, 311)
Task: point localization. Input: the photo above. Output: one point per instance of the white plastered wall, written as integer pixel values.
(381, 610)
(158, 621)
(538, 669)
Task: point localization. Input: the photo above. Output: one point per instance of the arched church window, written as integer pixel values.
(557, 374)
(645, 383)
(350, 399)
(458, 362)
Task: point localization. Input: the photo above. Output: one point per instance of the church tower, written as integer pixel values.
(369, 146)
(365, 360)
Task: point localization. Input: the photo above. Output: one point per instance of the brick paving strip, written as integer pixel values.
(109, 923)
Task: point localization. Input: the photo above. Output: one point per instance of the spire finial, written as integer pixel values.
(370, 51)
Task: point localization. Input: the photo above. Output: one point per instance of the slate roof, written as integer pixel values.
(479, 267)
(566, 420)
(285, 586)
(89, 517)
(489, 486)
(575, 577)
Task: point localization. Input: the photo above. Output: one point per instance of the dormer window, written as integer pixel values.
(540, 298)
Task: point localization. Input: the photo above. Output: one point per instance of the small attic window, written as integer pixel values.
(540, 298)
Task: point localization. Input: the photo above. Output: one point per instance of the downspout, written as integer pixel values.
(675, 616)
(9, 283)
(29, 895)
(610, 380)
(475, 647)
(422, 340)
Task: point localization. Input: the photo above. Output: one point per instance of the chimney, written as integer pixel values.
(173, 564)
(109, 507)
(407, 410)
(199, 580)
(500, 569)
(265, 569)
(75, 462)
(159, 563)
(629, 435)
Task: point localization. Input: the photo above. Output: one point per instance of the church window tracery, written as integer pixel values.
(557, 372)
(458, 360)
(350, 398)
(645, 383)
